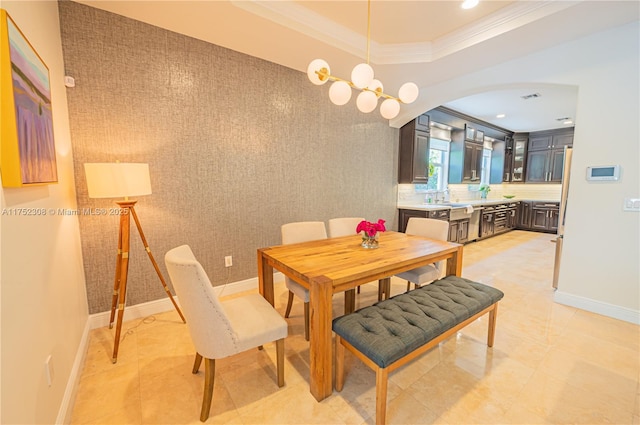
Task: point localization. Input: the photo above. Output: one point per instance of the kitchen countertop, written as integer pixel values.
(475, 203)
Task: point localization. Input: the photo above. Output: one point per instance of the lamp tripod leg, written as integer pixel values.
(155, 264)
(124, 270)
(116, 280)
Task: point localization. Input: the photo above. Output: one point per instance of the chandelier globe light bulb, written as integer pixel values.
(339, 93)
(390, 109)
(366, 101)
(376, 86)
(408, 92)
(362, 75)
(317, 65)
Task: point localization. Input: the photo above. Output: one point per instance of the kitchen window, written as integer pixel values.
(438, 164)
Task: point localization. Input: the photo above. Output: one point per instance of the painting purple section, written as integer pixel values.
(34, 122)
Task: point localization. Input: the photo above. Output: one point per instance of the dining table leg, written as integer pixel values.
(265, 279)
(320, 338)
(454, 263)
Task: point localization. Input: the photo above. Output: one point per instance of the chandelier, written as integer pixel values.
(362, 79)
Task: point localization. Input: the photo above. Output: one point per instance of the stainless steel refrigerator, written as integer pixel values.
(566, 167)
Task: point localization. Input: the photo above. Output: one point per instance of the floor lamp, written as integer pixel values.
(122, 180)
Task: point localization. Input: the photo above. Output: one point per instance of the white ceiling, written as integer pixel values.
(426, 42)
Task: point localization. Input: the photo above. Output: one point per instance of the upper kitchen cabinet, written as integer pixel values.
(413, 155)
(545, 155)
(515, 158)
(466, 150)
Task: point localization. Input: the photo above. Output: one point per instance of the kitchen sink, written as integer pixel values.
(459, 212)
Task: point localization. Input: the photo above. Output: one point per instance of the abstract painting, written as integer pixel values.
(28, 149)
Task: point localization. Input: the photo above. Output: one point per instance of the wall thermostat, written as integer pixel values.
(603, 173)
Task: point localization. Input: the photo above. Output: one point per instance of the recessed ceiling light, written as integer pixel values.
(567, 122)
(469, 4)
(500, 116)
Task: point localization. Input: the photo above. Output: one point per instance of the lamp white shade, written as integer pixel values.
(390, 108)
(362, 75)
(339, 92)
(117, 179)
(408, 92)
(317, 65)
(366, 101)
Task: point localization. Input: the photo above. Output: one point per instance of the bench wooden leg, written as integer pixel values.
(492, 325)
(382, 375)
(339, 364)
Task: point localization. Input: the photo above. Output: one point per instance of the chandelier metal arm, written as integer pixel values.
(323, 75)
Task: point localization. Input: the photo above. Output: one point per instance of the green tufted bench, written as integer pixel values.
(393, 332)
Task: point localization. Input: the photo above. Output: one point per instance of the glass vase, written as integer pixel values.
(369, 242)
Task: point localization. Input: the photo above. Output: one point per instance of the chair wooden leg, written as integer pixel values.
(196, 363)
(358, 289)
(306, 321)
(280, 361)
(289, 304)
(408, 286)
(209, 373)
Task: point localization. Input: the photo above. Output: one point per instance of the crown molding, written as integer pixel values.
(301, 19)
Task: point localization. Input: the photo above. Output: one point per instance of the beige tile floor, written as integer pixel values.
(551, 364)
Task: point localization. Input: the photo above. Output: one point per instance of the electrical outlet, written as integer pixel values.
(228, 261)
(48, 370)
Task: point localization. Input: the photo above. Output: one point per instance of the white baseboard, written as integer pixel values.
(99, 320)
(66, 406)
(598, 307)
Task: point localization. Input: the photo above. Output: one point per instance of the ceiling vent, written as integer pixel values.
(531, 96)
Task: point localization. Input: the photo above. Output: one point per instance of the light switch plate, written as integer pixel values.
(631, 204)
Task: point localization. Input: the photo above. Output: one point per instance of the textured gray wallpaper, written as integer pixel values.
(236, 147)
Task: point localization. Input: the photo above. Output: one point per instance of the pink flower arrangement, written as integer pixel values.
(371, 228)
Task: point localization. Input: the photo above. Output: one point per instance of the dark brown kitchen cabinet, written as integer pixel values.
(545, 166)
(512, 216)
(472, 162)
(524, 215)
(405, 215)
(486, 223)
(545, 155)
(515, 161)
(413, 155)
(465, 159)
(544, 216)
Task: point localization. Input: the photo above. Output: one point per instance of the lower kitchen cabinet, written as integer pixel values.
(405, 215)
(544, 216)
(459, 231)
(486, 224)
(524, 216)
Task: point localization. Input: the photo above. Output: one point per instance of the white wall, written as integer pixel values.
(43, 300)
(599, 270)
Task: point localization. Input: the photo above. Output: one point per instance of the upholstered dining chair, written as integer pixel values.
(344, 226)
(221, 328)
(301, 231)
(429, 228)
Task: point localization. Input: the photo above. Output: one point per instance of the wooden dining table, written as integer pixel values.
(333, 265)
